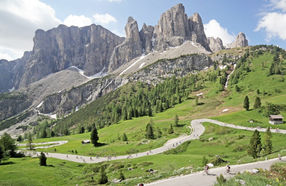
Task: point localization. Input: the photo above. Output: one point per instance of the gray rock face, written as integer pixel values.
(146, 35)
(215, 44)
(64, 102)
(172, 29)
(6, 75)
(240, 41)
(88, 48)
(130, 48)
(197, 31)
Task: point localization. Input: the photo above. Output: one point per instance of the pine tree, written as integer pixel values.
(1, 152)
(44, 133)
(171, 130)
(149, 131)
(254, 148)
(268, 142)
(176, 121)
(43, 159)
(121, 176)
(197, 100)
(124, 137)
(159, 132)
(53, 133)
(30, 141)
(257, 103)
(103, 177)
(94, 137)
(20, 138)
(246, 103)
(81, 130)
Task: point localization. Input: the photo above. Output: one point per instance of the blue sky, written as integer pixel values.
(263, 21)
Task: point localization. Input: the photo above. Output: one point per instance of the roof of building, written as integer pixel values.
(276, 116)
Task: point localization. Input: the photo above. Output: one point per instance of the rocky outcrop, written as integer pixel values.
(166, 68)
(240, 41)
(130, 48)
(65, 102)
(197, 31)
(172, 29)
(6, 75)
(146, 35)
(215, 44)
(12, 104)
(88, 48)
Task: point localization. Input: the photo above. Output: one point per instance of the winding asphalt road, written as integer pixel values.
(194, 179)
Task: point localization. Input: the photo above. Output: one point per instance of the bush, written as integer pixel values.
(217, 161)
(220, 179)
(43, 159)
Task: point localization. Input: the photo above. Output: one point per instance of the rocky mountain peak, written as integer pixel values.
(215, 44)
(131, 29)
(196, 18)
(130, 48)
(240, 41)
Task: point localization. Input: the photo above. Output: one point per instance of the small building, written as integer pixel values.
(85, 141)
(275, 119)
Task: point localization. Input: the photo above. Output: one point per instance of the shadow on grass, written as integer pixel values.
(180, 125)
(100, 144)
(7, 163)
(50, 166)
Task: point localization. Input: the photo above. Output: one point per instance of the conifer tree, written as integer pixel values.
(246, 103)
(43, 159)
(268, 142)
(159, 132)
(257, 103)
(171, 130)
(124, 137)
(254, 148)
(103, 177)
(149, 131)
(176, 121)
(30, 141)
(1, 152)
(94, 137)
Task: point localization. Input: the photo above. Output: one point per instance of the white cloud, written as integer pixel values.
(74, 20)
(115, 1)
(273, 22)
(214, 29)
(19, 20)
(104, 19)
(278, 4)
(10, 54)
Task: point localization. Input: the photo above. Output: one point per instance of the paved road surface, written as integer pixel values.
(188, 180)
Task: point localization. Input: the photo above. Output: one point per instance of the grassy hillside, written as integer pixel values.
(252, 77)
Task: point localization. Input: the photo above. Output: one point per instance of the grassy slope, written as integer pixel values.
(224, 143)
(273, 86)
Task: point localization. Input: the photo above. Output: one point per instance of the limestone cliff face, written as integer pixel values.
(88, 48)
(215, 44)
(64, 102)
(197, 31)
(12, 104)
(146, 35)
(172, 29)
(130, 48)
(240, 41)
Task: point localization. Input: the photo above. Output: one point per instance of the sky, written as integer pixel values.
(263, 21)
